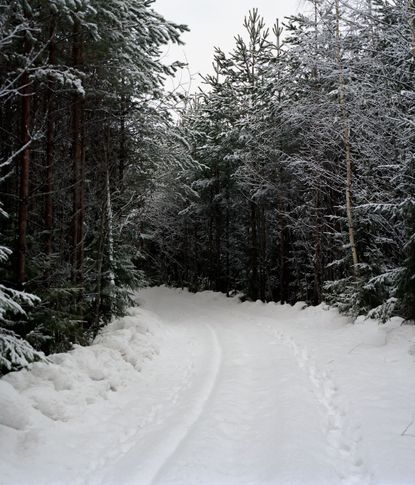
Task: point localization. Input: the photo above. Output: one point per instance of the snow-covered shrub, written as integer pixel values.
(15, 352)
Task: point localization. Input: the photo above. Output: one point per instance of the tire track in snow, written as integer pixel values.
(197, 411)
(97, 472)
(125, 441)
(342, 437)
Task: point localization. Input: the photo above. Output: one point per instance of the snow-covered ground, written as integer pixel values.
(200, 389)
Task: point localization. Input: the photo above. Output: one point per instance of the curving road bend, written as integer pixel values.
(244, 410)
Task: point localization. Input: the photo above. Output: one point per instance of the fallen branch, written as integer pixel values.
(404, 432)
(354, 348)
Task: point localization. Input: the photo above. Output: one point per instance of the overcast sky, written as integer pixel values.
(215, 23)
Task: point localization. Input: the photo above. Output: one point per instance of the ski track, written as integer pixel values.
(343, 438)
(128, 438)
(198, 409)
(178, 415)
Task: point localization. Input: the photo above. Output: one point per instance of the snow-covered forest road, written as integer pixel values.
(226, 393)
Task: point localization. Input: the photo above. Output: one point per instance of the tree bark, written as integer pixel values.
(123, 138)
(318, 264)
(283, 249)
(78, 169)
(24, 174)
(227, 242)
(50, 143)
(411, 12)
(347, 145)
(263, 254)
(253, 250)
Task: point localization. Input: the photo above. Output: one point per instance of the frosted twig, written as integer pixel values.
(404, 432)
(10, 159)
(355, 347)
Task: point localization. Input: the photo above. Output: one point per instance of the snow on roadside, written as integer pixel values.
(363, 374)
(61, 392)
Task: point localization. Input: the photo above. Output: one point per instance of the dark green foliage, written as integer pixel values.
(96, 139)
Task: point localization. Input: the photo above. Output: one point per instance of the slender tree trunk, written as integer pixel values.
(195, 259)
(318, 265)
(218, 250)
(347, 145)
(227, 235)
(24, 174)
(50, 142)
(110, 238)
(253, 251)
(411, 14)
(123, 138)
(283, 276)
(211, 262)
(317, 259)
(100, 261)
(123, 155)
(263, 251)
(218, 233)
(78, 169)
(105, 242)
(186, 255)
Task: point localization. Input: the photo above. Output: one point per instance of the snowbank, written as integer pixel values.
(59, 391)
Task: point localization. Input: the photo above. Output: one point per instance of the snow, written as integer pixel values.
(13, 410)
(201, 389)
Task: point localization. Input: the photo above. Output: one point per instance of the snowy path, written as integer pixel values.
(240, 433)
(259, 409)
(238, 394)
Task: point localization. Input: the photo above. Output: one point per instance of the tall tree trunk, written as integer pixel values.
(317, 259)
(123, 155)
(218, 233)
(218, 250)
(110, 241)
(227, 243)
(105, 244)
(318, 264)
(211, 252)
(263, 253)
(411, 13)
(50, 142)
(100, 261)
(24, 173)
(253, 250)
(347, 144)
(123, 138)
(78, 169)
(283, 276)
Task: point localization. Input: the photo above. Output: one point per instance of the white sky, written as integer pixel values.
(214, 23)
